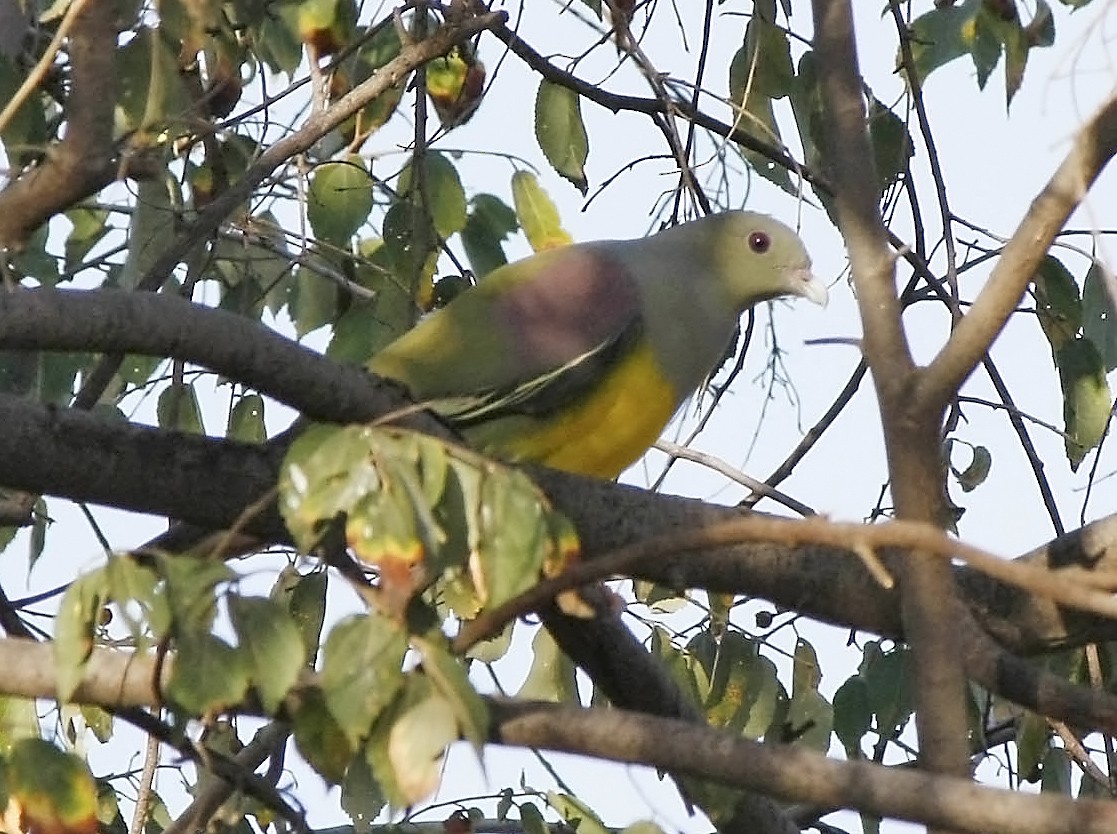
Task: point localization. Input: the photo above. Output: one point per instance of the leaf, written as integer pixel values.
(274, 648)
(1056, 776)
(892, 144)
(320, 738)
(417, 742)
(443, 193)
(449, 676)
(1058, 307)
(978, 471)
(455, 85)
(89, 227)
(576, 813)
(531, 820)
(489, 224)
(1086, 397)
(339, 200)
(810, 720)
(806, 674)
(208, 675)
(361, 671)
(55, 791)
(361, 795)
(1033, 740)
(314, 299)
(305, 598)
(853, 716)
(537, 214)
(78, 614)
(1099, 316)
(887, 679)
(178, 409)
(740, 679)
(939, 37)
(246, 420)
(551, 676)
(561, 133)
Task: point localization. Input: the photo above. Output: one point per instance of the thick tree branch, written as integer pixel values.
(1094, 146)
(800, 775)
(119, 679)
(84, 161)
(912, 437)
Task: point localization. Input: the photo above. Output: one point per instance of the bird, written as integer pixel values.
(578, 357)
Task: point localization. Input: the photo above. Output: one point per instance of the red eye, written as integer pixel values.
(759, 242)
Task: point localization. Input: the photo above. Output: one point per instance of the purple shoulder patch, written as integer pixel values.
(579, 300)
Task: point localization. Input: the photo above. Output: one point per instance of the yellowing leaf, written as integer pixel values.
(416, 743)
(538, 216)
(55, 791)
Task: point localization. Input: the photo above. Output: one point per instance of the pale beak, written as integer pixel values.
(808, 286)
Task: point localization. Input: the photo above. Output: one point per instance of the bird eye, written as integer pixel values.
(759, 242)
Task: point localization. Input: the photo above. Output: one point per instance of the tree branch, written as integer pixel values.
(84, 161)
(790, 773)
(1094, 146)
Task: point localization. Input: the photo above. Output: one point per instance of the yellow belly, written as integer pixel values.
(600, 435)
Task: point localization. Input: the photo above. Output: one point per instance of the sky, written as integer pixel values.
(995, 163)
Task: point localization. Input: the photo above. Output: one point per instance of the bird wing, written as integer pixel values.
(531, 337)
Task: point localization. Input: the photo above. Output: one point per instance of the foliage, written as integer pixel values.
(277, 161)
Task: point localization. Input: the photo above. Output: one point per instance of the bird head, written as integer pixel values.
(759, 258)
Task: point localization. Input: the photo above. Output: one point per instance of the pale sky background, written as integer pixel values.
(995, 165)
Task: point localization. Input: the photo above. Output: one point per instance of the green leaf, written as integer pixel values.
(1099, 316)
(762, 68)
(25, 133)
(551, 676)
(18, 720)
(178, 409)
(362, 798)
(684, 669)
(361, 671)
(1058, 307)
(940, 36)
(490, 223)
(1056, 776)
(977, 472)
(78, 614)
(539, 218)
(89, 227)
(339, 200)
(853, 716)
(1086, 397)
(1033, 741)
(208, 676)
(532, 820)
(275, 652)
(740, 679)
(443, 193)
(313, 300)
(887, 677)
(246, 420)
(320, 738)
(305, 598)
(55, 790)
(449, 676)
(892, 144)
(561, 133)
(810, 720)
